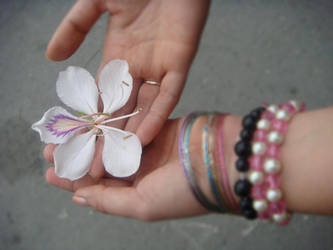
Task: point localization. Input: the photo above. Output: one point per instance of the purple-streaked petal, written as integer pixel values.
(121, 153)
(72, 160)
(57, 125)
(115, 84)
(77, 89)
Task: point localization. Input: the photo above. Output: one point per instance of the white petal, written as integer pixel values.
(121, 153)
(72, 160)
(115, 84)
(77, 89)
(57, 125)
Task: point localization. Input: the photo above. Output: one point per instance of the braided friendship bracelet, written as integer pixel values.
(184, 153)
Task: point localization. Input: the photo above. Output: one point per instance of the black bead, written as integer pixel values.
(249, 122)
(256, 113)
(250, 214)
(246, 135)
(243, 188)
(245, 203)
(242, 164)
(243, 148)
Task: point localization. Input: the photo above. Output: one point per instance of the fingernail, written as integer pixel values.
(48, 58)
(80, 201)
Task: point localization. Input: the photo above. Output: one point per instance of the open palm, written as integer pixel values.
(158, 39)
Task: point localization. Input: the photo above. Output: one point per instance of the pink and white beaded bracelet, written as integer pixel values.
(264, 162)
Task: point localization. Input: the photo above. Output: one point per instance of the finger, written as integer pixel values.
(73, 29)
(72, 186)
(146, 97)
(170, 90)
(48, 152)
(121, 201)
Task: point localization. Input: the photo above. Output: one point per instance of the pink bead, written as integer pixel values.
(280, 125)
(273, 151)
(256, 162)
(272, 181)
(278, 207)
(260, 135)
(286, 221)
(267, 115)
(258, 192)
(289, 107)
(265, 215)
(303, 107)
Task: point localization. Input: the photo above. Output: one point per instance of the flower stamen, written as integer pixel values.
(122, 117)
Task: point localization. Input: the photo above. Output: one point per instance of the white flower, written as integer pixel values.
(77, 89)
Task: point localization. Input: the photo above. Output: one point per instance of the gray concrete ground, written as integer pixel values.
(250, 51)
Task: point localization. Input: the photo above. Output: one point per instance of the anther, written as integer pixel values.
(126, 137)
(125, 83)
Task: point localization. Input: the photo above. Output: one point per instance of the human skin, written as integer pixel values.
(157, 38)
(160, 189)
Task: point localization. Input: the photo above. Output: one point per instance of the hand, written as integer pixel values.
(158, 39)
(160, 190)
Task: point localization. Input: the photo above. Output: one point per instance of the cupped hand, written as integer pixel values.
(160, 190)
(158, 39)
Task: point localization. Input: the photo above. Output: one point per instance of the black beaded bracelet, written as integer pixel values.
(242, 187)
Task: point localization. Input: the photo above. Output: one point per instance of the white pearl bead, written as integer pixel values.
(273, 195)
(279, 217)
(263, 124)
(273, 108)
(272, 166)
(282, 115)
(260, 205)
(275, 137)
(297, 105)
(258, 148)
(256, 177)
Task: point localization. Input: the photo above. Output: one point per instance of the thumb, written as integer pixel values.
(121, 201)
(73, 29)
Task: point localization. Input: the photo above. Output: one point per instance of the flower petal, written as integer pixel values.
(57, 125)
(77, 89)
(115, 84)
(121, 153)
(72, 159)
